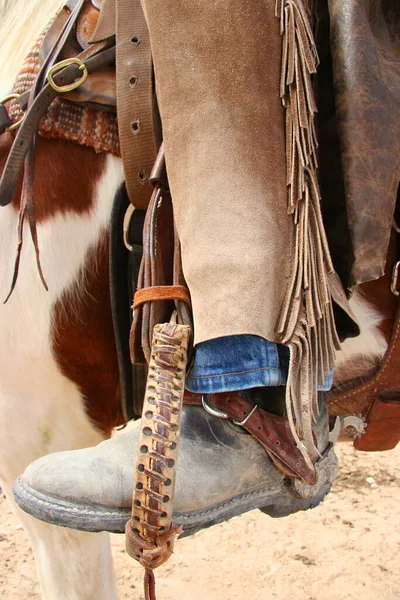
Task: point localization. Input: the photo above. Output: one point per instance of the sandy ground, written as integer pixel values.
(346, 549)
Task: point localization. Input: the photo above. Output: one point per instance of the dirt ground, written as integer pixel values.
(346, 549)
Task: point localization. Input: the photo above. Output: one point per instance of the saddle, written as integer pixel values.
(98, 56)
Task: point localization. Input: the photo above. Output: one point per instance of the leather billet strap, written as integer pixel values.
(135, 100)
(98, 91)
(96, 57)
(271, 431)
(136, 107)
(61, 40)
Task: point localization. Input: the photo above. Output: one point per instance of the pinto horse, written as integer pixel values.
(59, 380)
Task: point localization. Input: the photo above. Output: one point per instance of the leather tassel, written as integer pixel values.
(30, 206)
(149, 585)
(306, 325)
(21, 220)
(150, 533)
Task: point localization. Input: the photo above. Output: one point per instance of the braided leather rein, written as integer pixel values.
(150, 533)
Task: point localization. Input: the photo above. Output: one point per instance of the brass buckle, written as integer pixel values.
(395, 279)
(14, 126)
(69, 87)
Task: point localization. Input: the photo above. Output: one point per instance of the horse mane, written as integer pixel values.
(21, 21)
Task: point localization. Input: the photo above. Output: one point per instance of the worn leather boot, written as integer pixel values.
(223, 471)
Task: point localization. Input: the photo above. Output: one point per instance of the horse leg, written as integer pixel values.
(70, 565)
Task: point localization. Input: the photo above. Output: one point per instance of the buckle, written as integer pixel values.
(14, 126)
(69, 87)
(395, 279)
(216, 412)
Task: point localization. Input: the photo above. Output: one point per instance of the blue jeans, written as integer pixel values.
(240, 362)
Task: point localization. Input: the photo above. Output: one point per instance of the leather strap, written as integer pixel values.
(5, 120)
(124, 269)
(158, 175)
(62, 38)
(94, 58)
(161, 267)
(271, 431)
(135, 104)
(150, 533)
(161, 292)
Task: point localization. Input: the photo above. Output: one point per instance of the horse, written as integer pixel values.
(59, 379)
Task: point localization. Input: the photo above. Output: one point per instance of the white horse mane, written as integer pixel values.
(20, 24)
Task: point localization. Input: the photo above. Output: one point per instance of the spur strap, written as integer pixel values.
(271, 431)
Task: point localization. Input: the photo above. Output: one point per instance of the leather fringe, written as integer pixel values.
(306, 325)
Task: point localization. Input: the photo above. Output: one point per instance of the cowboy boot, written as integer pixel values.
(223, 471)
